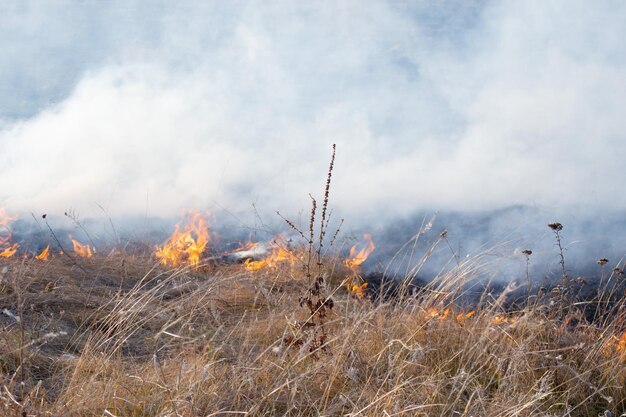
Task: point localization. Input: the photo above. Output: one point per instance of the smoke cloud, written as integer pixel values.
(147, 107)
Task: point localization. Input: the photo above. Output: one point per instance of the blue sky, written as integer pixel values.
(434, 105)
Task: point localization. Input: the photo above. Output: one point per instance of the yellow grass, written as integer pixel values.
(129, 337)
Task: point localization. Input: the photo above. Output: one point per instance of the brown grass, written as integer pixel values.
(125, 337)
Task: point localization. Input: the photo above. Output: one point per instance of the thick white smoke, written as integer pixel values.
(454, 105)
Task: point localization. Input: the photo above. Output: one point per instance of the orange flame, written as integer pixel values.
(358, 290)
(44, 255)
(186, 245)
(84, 251)
(353, 262)
(461, 317)
(499, 319)
(280, 255)
(434, 312)
(615, 345)
(621, 342)
(5, 219)
(357, 258)
(7, 249)
(249, 245)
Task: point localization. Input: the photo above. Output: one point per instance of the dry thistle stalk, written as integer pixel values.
(556, 228)
(527, 253)
(313, 331)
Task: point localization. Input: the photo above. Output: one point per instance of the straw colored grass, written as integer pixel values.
(126, 337)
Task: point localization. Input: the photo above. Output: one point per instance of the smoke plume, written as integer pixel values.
(148, 108)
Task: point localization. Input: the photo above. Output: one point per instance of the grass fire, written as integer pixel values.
(291, 326)
(312, 208)
(186, 244)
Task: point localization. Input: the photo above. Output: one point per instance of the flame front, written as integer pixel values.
(44, 255)
(434, 312)
(615, 345)
(357, 258)
(620, 343)
(461, 317)
(500, 319)
(358, 290)
(185, 245)
(84, 251)
(280, 255)
(353, 263)
(7, 249)
(249, 245)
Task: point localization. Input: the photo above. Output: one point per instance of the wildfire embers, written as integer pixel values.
(501, 319)
(442, 314)
(186, 244)
(620, 343)
(616, 344)
(7, 249)
(462, 316)
(353, 264)
(434, 312)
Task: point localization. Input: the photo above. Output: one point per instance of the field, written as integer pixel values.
(298, 329)
(121, 334)
(380, 208)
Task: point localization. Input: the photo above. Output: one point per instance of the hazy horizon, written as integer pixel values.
(450, 106)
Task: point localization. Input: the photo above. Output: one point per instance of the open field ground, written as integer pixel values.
(312, 208)
(122, 335)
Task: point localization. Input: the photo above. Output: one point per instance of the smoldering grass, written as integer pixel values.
(211, 341)
(75, 218)
(60, 246)
(218, 333)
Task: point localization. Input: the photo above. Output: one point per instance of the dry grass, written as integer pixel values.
(124, 337)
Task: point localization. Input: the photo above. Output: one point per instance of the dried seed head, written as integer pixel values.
(527, 252)
(603, 261)
(557, 227)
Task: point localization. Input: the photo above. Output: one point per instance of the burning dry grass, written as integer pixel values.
(121, 336)
(187, 243)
